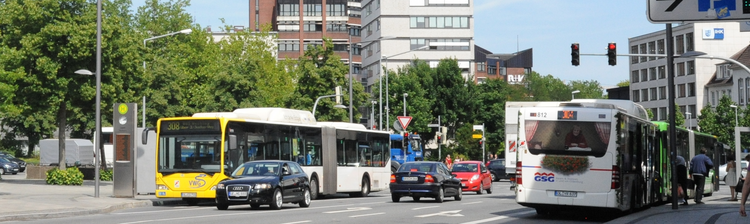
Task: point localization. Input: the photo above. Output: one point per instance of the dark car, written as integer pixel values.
(497, 168)
(21, 163)
(6, 166)
(424, 179)
(270, 182)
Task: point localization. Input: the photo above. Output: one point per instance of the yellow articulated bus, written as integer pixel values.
(194, 153)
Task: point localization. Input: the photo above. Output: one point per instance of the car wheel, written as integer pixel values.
(395, 198)
(416, 198)
(481, 188)
(494, 178)
(314, 189)
(440, 196)
(305, 199)
(459, 195)
(254, 205)
(276, 200)
(222, 206)
(489, 189)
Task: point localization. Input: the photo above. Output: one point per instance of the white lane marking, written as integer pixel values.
(443, 213)
(349, 210)
(162, 211)
(225, 214)
(297, 222)
(497, 218)
(355, 216)
(424, 207)
(476, 202)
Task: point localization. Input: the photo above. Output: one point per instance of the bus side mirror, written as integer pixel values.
(144, 135)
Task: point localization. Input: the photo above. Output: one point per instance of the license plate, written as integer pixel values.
(189, 195)
(237, 194)
(566, 193)
(408, 178)
(463, 185)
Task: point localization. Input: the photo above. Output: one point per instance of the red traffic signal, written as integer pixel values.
(575, 54)
(612, 54)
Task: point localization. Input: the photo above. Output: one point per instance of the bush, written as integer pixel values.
(70, 176)
(105, 175)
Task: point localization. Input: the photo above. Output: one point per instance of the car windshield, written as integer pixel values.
(465, 167)
(2, 159)
(257, 169)
(417, 167)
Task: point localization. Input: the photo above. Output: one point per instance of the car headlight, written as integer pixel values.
(7, 165)
(475, 177)
(219, 186)
(161, 187)
(262, 186)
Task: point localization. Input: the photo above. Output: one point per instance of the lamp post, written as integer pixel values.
(185, 31)
(98, 128)
(573, 94)
(687, 114)
(387, 107)
(735, 115)
(405, 95)
(315, 106)
(372, 114)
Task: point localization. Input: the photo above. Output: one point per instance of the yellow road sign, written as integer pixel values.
(476, 136)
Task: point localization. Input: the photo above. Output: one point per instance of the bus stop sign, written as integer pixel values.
(404, 120)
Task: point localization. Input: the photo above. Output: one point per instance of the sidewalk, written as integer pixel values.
(34, 199)
(717, 209)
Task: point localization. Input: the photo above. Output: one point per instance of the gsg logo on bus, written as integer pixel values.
(544, 177)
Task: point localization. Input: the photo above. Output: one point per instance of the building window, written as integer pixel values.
(491, 69)
(681, 92)
(636, 95)
(662, 72)
(336, 26)
(634, 50)
(655, 113)
(662, 92)
(747, 90)
(693, 112)
(652, 73)
(741, 91)
(691, 67)
(679, 44)
(441, 44)
(311, 26)
(634, 76)
(653, 94)
(313, 9)
(652, 50)
(439, 22)
(724, 71)
(680, 69)
(289, 46)
(660, 46)
(662, 113)
(644, 95)
(691, 89)
(689, 44)
(644, 75)
(481, 66)
(713, 98)
(336, 8)
(288, 9)
(355, 31)
(643, 51)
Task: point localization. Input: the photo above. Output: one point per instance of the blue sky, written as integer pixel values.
(505, 26)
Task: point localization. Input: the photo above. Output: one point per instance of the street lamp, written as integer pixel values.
(351, 71)
(387, 107)
(735, 115)
(405, 95)
(98, 128)
(574, 93)
(687, 114)
(315, 106)
(185, 31)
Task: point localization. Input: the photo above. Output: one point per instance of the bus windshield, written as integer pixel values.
(189, 153)
(567, 137)
(415, 145)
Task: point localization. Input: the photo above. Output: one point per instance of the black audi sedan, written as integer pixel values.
(424, 179)
(497, 168)
(271, 182)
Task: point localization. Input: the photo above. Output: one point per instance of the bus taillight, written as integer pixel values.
(615, 177)
(393, 178)
(518, 173)
(428, 179)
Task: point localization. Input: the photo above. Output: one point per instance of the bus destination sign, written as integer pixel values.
(567, 115)
(190, 126)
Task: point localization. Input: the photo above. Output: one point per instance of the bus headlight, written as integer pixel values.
(161, 187)
(262, 186)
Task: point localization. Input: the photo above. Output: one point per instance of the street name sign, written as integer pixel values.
(669, 11)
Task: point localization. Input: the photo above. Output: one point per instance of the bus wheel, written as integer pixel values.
(365, 187)
(314, 188)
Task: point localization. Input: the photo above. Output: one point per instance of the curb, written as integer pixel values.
(67, 213)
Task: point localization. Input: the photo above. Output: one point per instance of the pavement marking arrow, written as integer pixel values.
(444, 213)
(349, 210)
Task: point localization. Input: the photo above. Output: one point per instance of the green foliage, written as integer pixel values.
(69, 176)
(105, 175)
(623, 83)
(719, 120)
(589, 89)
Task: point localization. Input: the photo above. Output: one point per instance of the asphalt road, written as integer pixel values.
(498, 207)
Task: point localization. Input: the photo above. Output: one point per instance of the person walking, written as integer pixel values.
(745, 193)
(682, 179)
(731, 179)
(699, 166)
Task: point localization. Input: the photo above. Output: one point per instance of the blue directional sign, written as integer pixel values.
(669, 11)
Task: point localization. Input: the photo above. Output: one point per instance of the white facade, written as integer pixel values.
(447, 26)
(648, 75)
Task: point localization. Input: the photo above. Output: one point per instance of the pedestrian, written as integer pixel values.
(745, 189)
(699, 166)
(448, 161)
(682, 179)
(731, 178)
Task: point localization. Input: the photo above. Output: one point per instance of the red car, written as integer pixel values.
(474, 176)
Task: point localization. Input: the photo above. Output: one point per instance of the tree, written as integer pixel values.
(547, 88)
(453, 94)
(589, 89)
(623, 83)
(716, 120)
(414, 81)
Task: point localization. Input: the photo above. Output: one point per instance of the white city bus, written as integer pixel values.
(195, 153)
(611, 164)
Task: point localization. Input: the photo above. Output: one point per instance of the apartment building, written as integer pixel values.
(648, 75)
(395, 32)
(511, 67)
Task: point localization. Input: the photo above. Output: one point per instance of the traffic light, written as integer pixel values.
(612, 53)
(576, 54)
(406, 140)
(440, 139)
(480, 143)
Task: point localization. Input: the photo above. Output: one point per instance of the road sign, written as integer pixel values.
(669, 11)
(478, 127)
(433, 125)
(404, 120)
(476, 136)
